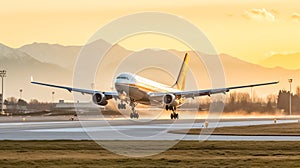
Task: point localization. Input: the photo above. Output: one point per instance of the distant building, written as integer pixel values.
(72, 106)
(1, 99)
(15, 108)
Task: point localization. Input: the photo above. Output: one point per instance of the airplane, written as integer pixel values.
(138, 90)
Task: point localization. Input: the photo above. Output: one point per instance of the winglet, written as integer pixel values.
(31, 79)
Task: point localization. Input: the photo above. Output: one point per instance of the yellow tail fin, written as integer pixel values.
(180, 82)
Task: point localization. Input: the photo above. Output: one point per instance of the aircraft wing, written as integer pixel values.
(71, 89)
(208, 92)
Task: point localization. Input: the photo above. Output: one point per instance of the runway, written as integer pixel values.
(122, 129)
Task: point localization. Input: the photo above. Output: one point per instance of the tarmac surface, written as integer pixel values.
(19, 128)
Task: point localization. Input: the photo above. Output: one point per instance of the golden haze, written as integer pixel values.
(250, 30)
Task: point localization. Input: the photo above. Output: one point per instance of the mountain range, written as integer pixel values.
(21, 66)
(63, 56)
(284, 60)
(53, 63)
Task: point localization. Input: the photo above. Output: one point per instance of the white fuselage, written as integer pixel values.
(139, 88)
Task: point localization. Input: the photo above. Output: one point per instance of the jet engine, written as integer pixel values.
(100, 99)
(169, 99)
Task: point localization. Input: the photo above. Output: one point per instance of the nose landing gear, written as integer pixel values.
(133, 114)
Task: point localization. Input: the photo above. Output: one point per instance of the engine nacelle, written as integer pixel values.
(100, 99)
(169, 99)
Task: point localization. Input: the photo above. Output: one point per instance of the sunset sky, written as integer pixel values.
(250, 30)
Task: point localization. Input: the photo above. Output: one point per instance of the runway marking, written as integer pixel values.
(33, 123)
(154, 126)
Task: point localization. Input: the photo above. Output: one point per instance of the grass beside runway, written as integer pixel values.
(287, 129)
(184, 154)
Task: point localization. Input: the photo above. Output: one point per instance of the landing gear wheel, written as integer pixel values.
(176, 116)
(134, 115)
(121, 106)
(137, 115)
(131, 115)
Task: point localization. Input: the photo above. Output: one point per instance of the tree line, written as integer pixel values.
(283, 102)
(242, 101)
(32, 104)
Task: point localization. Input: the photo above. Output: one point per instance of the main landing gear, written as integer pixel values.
(173, 115)
(133, 114)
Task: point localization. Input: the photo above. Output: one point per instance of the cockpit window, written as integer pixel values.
(122, 77)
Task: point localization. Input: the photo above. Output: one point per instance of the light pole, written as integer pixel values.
(251, 94)
(53, 96)
(21, 90)
(2, 75)
(290, 81)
